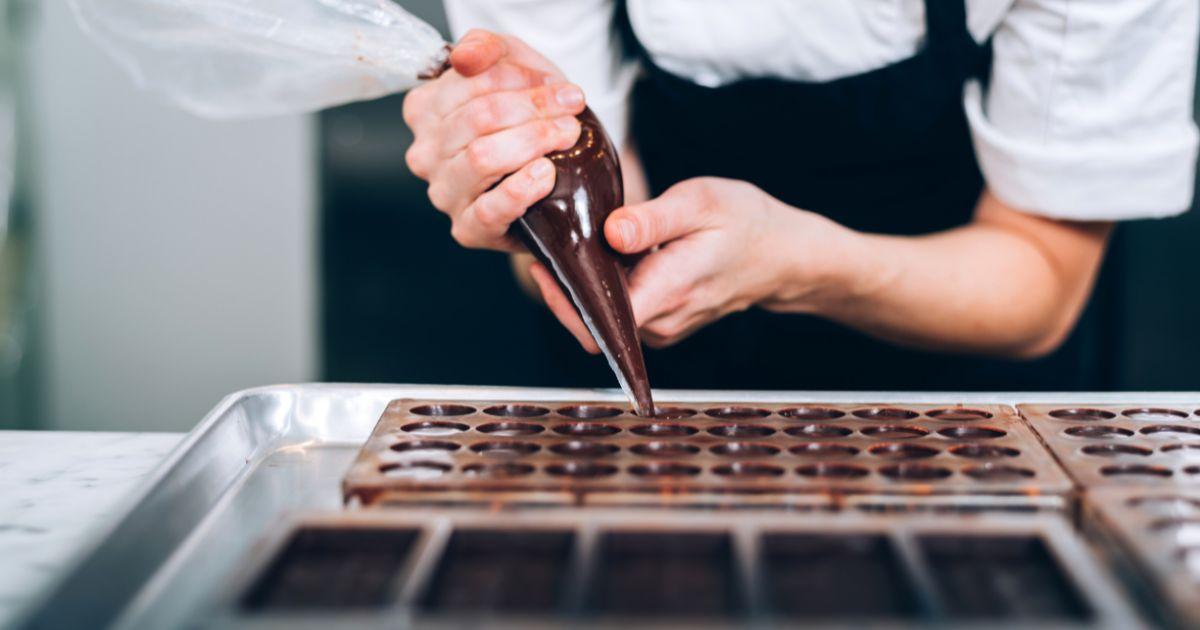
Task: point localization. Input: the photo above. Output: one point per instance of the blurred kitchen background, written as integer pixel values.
(152, 262)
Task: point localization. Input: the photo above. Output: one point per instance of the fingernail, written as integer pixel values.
(566, 123)
(541, 169)
(628, 232)
(569, 96)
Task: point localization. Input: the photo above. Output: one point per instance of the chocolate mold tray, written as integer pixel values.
(1133, 444)
(600, 454)
(582, 568)
(1158, 532)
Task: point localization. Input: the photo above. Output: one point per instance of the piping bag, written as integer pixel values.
(238, 60)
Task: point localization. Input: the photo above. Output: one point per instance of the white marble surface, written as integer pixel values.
(56, 489)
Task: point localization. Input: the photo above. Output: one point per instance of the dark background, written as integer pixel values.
(403, 303)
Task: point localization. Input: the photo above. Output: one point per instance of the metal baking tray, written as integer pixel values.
(264, 455)
(581, 568)
(1143, 443)
(592, 453)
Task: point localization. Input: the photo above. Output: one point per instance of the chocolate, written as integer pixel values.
(565, 231)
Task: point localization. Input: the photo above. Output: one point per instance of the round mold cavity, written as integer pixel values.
(1115, 450)
(416, 471)
(664, 430)
(737, 413)
(1169, 430)
(665, 449)
(957, 414)
(1098, 432)
(914, 472)
(510, 428)
(902, 451)
(972, 433)
(498, 469)
(1183, 448)
(434, 428)
(664, 469)
(1174, 524)
(587, 429)
(886, 413)
(748, 470)
(739, 431)
(894, 432)
(506, 448)
(1135, 470)
(1192, 470)
(823, 450)
(516, 411)
(581, 470)
(818, 431)
(590, 412)
(413, 446)
(585, 449)
(745, 449)
(442, 410)
(1166, 504)
(983, 451)
(998, 472)
(812, 413)
(827, 470)
(1082, 414)
(673, 413)
(1154, 414)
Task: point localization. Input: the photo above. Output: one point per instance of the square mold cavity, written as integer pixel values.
(1122, 445)
(1155, 534)
(769, 455)
(663, 568)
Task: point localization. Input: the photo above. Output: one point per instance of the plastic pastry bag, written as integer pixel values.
(253, 58)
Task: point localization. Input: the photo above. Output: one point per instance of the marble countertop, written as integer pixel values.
(56, 488)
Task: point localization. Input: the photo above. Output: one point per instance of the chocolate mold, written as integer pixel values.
(1130, 444)
(501, 451)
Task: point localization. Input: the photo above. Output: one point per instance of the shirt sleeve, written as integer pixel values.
(577, 36)
(1088, 114)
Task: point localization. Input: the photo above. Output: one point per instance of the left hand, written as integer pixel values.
(718, 252)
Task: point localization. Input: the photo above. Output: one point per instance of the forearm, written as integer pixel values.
(999, 285)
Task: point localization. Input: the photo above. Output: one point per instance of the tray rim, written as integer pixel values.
(152, 487)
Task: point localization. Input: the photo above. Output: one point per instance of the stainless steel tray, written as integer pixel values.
(265, 455)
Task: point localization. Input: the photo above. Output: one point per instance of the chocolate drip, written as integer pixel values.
(565, 231)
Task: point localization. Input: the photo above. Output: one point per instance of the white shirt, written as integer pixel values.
(1088, 115)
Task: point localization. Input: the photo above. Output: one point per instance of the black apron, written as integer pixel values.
(886, 151)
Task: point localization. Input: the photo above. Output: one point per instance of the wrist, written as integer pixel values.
(819, 264)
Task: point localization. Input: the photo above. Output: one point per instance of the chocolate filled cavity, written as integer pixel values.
(818, 431)
(914, 472)
(894, 432)
(744, 449)
(902, 451)
(886, 413)
(516, 411)
(812, 413)
(589, 412)
(1082, 414)
(972, 433)
(748, 469)
(444, 409)
(832, 471)
(742, 431)
(1136, 470)
(1115, 450)
(585, 449)
(823, 450)
(1098, 432)
(498, 469)
(737, 413)
(424, 445)
(664, 449)
(565, 231)
(998, 472)
(1170, 430)
(581, 469)
(984, 451)
(673, 413)
(506, 448)
(664, 469)
(434, 428)
(664, 430)
(587, 429)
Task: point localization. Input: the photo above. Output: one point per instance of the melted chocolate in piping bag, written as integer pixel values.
(565, 231)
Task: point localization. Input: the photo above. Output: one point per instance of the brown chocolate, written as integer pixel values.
(565, 231)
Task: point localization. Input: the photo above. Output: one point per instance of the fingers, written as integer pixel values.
(485, 160)
(477, 51)
(562, 307)
(638, 227)
(498, 111)
(486, 221)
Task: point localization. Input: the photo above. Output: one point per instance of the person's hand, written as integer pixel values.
(715, 247)
(496, 113)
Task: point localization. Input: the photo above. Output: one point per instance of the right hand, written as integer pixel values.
(494, 116)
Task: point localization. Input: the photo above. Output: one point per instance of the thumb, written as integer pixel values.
(639, 227)
(477, 51)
